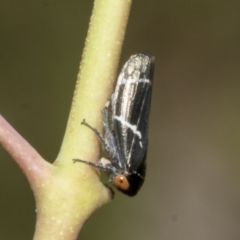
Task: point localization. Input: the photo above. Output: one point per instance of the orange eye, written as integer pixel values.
(120, 181)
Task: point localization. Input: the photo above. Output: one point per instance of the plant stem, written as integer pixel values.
(66, 193)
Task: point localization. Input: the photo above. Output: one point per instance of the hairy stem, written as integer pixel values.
(66, 193)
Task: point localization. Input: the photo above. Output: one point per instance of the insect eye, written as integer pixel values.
(120, 181)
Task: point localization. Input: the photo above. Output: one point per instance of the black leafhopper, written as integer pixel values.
(125, 121)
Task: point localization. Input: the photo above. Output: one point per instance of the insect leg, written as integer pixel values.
(104, 164)
(99, 135)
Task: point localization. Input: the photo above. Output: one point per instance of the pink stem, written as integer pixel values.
(29, 160)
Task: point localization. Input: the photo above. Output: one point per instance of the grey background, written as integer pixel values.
(192, 188)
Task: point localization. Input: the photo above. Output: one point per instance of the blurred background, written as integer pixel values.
(192, 188)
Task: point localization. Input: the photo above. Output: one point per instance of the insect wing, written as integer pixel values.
(130, 110)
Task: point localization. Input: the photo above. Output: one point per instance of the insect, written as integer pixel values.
(125, 121)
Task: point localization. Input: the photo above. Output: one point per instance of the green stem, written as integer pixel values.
(70, 193)
(96, 77)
